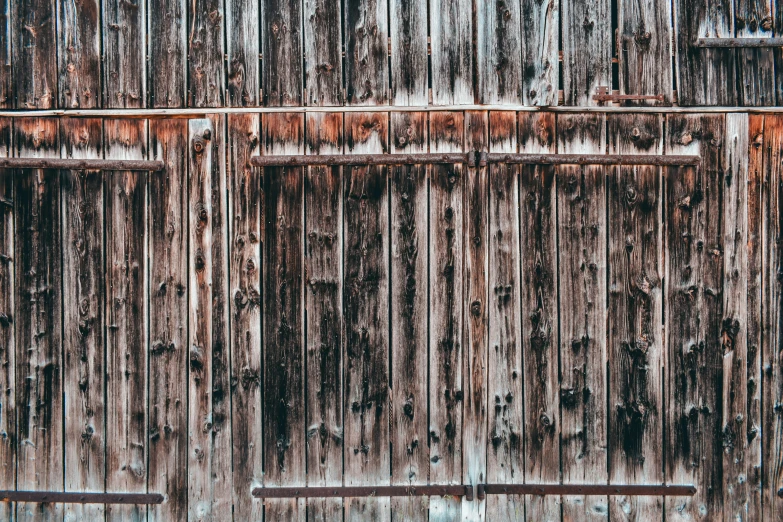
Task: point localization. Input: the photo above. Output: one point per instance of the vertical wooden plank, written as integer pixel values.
(475, 233)
(755, 67)
(124, 25)
(83, 317)
(243, 48)
(323, 52)
(6, 37)
(246, 206)
(756, 307)
(167, 53)
(587, 50)
(38, 300)
(504, 363)
(705, 76)
(8, 350)
(283, 312)
(323, 298)
(446, 287)
(205, 54)
(209, 423)
(409, 68)
(126, 318)
(540, 38)
(644, 53)
(498, 52)
(581, 230)
(34, 48)
(451, 51)
(79, 60)
(772, 347)
(694, 279)
(635, 320)
(410, 461)
(538, 249)
(167, 226)
(366, 315)
(366, 52)
(282, 50)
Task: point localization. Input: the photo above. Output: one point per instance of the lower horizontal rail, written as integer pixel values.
(80, 164)
(364, 491)
(80, 498)
(656, 490)
(734, 43)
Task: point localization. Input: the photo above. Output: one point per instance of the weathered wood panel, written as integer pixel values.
(366, 315)
(505, 449)
(581, 211)
(284, 353)
(410, 461)
(124, 42)
(635, 317)
(38, 298)
(446, 289)
(6, 37)
(79, 60)
(167, 68)
(694, 281)
(323, 41)
(34, 54)
(498, 52)
(408, 36)
(8, 347)
(243, 47)
(538, 310)
(126, 301)
(451, 54)
(587, 49)
(83, 223)
(366, 52)
(540, 33)
(323, 301)
(205, 54)
(755, 67)
(644, 49)
(167, 229)
(475, 237)
(282, 50)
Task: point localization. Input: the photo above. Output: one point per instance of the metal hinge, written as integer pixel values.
(605, 95)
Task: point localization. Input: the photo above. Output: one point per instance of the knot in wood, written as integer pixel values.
(686, 138)
(766, 23)
(198, 144)
(588, 24)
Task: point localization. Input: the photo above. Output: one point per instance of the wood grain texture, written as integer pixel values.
(582, 250)
(34, 54)
(408, 35)
(246, 205)
(446, 322)
(498, 52)
(694, 281)
(410, 461)
(6, 77)
(79, 60)
(282, 50)
(451, 55)
(587, 50)
(366, 315)
(635, 317)
(505, 445)
(284, 329)
(323, 301)
(8, 347)
(772, 342)
(243, 47)
(475, 234)
(124, 24)
(538, 310)
(126, 302)
(323, 52)
(209, 416)
(167, 229)
(755, 67)
(539, 37)
(83, 224)
(704, 76)
(167, 65)
(38, 298)
(205, 54)
(644, 49)
(366, 52)
(777, 26)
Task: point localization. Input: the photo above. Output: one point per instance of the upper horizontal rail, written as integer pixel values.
(529, 159)
(80, 164)
(586, 489)
(80, 498)
(733, 43)
(364, 491)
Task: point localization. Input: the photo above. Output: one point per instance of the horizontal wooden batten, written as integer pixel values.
(585, 489)
(738, 42)
(80, 164)
(365, 491)
(61, 497)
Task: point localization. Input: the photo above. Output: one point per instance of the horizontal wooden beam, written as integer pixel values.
(734, 43)
(62, 497)
(656, 490)
(364, 491)
(80, 164)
